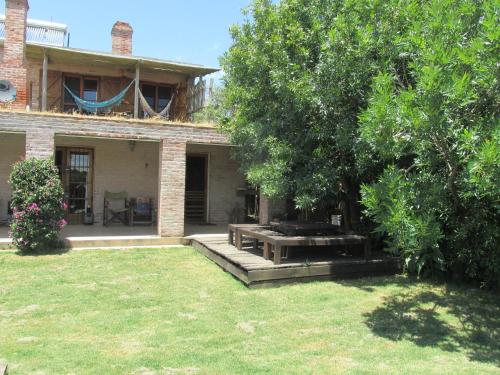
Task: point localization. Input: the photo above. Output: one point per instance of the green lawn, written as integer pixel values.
(171, 311)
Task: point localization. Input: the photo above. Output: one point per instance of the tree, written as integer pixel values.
(297, 76)
(438, 137)
(398, 96)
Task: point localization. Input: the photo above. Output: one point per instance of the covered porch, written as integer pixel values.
(163, 173)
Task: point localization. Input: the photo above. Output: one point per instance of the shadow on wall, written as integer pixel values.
(472, 323)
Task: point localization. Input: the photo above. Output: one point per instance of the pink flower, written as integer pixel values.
(62, 223)
(34, 207)
(64, 206)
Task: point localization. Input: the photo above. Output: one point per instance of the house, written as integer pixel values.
(185, 168)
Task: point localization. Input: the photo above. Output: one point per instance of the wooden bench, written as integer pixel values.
(275, 242)
(233, 234)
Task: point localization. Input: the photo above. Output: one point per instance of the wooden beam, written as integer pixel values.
(44, 80)
(136, 92)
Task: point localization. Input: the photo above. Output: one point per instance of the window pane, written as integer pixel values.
(73, 83)
(90, 89)
(149, 93)
(164, 95)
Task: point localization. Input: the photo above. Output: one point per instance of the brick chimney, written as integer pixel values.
(13, 66)
(121, 36)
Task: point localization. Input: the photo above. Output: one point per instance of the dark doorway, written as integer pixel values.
(196, 189)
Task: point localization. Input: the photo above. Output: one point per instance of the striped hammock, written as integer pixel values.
(91, 106)
(165, 112)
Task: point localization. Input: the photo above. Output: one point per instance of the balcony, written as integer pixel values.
(98, 76)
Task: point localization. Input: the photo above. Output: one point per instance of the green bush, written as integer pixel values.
(401, 97)
(435, 126)
(38, 205)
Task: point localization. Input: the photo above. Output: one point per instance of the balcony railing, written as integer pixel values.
(42, 32)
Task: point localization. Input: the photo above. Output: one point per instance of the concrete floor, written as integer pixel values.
(121, 231)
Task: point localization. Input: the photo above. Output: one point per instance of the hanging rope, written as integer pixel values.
(165, 113)
(92, 106)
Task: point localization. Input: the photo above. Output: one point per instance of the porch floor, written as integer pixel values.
(97, 235)
(250, 267)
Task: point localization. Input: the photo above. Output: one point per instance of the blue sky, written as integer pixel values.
(194, 31)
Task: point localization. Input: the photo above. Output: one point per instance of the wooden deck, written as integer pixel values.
(253, 270)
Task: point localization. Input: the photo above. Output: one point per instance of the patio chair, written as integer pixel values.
(141, 211)
(116, 208)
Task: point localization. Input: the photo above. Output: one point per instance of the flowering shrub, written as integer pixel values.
(38, 205)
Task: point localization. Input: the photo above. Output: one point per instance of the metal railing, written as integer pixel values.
(42, 32)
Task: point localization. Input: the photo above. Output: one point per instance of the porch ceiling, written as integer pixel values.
(80, 56)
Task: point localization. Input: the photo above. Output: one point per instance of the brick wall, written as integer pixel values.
(116, 168)
(16, 12)
(12, 150)
(107, 128)
(172, 173)
(39, 143)
(121, 36)
(13, 66)
(270, 209)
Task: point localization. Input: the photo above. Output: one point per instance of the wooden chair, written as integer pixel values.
(116, 208)
(141, 211)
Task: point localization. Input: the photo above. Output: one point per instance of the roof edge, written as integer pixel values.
(127, 58)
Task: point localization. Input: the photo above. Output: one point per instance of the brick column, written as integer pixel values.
(39, 144)
(171, 189)
(270, 209)
(13, 65)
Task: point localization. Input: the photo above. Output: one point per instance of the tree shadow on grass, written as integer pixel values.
(458, 319)
(58, 249)
(371, 283)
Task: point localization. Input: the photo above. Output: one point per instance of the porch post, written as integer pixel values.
(39, 143)
(44, 80)
(136, 91)
(172, 187)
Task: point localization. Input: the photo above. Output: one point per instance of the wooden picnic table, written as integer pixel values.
(275, 241)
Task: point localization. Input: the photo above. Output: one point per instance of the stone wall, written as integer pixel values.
(11, 151)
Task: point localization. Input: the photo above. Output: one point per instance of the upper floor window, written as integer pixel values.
(156, 96)
(86, 88)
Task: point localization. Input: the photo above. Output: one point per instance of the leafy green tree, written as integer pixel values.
(401, 97)
(297, 76)
(214, 110)
(438, 137)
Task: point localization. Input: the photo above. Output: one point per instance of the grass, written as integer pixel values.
(171, 311)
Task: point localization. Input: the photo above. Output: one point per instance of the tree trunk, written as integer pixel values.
(351, 210)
